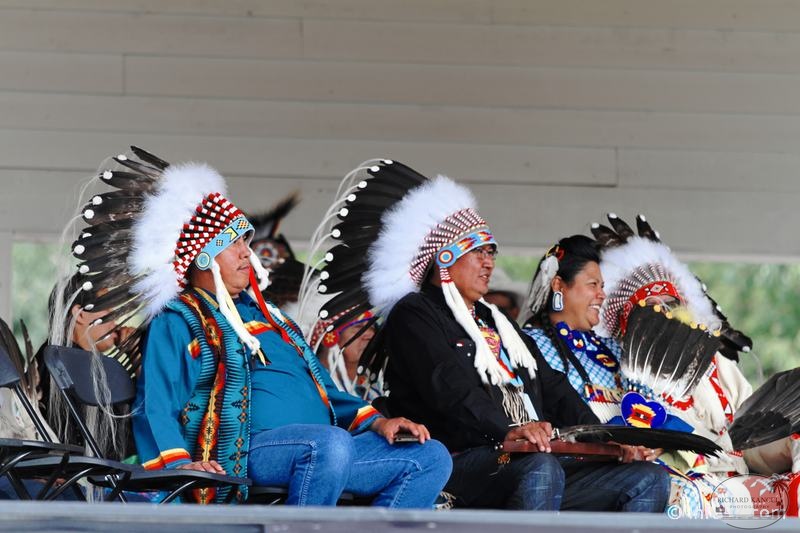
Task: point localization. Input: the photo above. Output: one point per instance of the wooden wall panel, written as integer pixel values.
(410, 10)
(668, 49)
(407, 123)
(722, 171)
(753, 15)
(297, 158)
(145, 33)
(464, 85)
(54, 72)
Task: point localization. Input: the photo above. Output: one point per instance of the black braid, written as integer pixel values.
(549, 329)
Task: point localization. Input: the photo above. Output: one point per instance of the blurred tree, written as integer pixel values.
(33, 277)
(761, 301)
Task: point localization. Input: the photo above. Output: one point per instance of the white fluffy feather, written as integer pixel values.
(618, 262)
(180, 191)
(405, 227)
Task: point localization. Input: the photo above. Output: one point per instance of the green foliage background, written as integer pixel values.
(33, 277)
(761, 301)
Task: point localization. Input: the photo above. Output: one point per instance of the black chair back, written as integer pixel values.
(9, 377)
(71, 369)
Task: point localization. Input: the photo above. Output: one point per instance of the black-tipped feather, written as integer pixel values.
(605, 236)
(344, 300)
(364, 204)
(146, 156)
(366, 213)
(149, 171)
(344, 262)
(621, 227)
(375, 203)
(119, 205)
(128, 181)
(100, 263)
(649, 438)
(349, 230)
(341, 281)
(400, 174)
(671, 355)
(772, 412)
(644, 229)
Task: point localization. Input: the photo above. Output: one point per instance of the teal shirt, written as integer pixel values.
(283, 392)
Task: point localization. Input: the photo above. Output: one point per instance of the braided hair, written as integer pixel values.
(573, 254)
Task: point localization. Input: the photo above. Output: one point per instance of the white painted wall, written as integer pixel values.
(555, 111)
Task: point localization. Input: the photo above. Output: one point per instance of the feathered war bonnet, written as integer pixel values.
(384, 231)
(666, 350)
(141, 239)
(637, 265)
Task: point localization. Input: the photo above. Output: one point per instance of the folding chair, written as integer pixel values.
(15, 454)
(70, 369)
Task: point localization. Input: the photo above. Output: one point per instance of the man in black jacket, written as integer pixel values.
(433, 379)
(416, 251)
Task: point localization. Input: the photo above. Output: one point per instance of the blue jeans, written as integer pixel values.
(319, 462)
(483, 477)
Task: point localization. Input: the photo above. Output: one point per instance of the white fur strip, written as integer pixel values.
(405, 227)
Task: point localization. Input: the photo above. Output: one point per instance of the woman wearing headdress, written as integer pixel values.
(564, 304)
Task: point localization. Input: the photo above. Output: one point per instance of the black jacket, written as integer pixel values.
(433, 381)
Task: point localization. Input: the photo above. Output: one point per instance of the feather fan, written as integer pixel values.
(772, 412)
(663, 353)
(649, 438)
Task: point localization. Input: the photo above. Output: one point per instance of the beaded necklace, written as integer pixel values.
(590, 344)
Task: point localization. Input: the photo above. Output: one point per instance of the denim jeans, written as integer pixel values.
(483, 477)
(319, 462)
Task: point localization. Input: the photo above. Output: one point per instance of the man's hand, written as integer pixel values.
(203, 466)
(639, 453)
(390, 427)
(538, 433)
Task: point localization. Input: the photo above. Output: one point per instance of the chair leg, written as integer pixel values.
(76, 490)
(118, 484)
(68, 483)
(54, 476)
(18, 486)
(180, 490)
